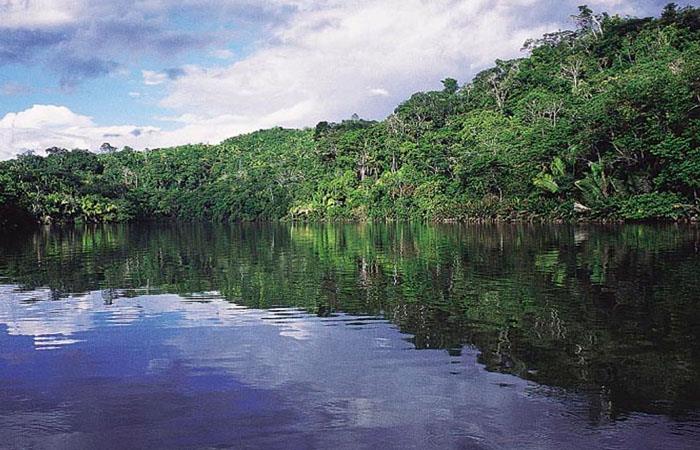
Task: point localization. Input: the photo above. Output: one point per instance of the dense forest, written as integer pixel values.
(598, 123)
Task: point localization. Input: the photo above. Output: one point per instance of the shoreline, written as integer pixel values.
(470, 221)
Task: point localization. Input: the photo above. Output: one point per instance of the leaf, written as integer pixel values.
(546, 182)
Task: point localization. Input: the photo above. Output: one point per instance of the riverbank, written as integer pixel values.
(522, 141)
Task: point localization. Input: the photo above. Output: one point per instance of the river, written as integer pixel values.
(350, 336)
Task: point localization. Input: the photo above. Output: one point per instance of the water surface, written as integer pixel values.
(350, 336)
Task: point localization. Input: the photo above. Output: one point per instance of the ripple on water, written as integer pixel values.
(378, 336)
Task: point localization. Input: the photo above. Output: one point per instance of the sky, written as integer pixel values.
(154, 73)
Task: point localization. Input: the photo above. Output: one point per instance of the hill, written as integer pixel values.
(597, 123)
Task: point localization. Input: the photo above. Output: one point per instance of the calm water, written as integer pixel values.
(353, 336)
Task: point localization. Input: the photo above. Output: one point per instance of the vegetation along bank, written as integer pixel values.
(598, 123)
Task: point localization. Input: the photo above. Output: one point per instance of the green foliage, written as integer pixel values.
(546, 181)
(595, 187)
(606, 115)
(656, 205)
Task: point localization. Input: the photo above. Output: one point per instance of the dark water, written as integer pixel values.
(353, 336)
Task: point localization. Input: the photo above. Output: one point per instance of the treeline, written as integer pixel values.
(601, 122)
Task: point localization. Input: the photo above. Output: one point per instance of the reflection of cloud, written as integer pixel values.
(52, 323)
(56, 421)
(349, 381)
(55, 323)
(43, 342)
(337, 376)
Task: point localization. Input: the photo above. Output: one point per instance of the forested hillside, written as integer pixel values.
(602, 122)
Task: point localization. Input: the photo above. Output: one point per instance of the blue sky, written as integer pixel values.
(150, 73)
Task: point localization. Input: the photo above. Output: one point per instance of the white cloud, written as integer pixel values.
(222, 53)
(324, 61)
(152, 78)
(13, 88)
(34, 14)
(45, 117)
(379, 91)
(44, 126)
(319, 64)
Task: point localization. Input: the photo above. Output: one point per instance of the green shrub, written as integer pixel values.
(656, 205)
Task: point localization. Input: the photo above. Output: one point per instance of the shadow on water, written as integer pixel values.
(610, 312)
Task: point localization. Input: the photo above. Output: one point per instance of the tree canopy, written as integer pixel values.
(599, 122)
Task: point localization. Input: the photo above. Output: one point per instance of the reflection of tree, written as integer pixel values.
(109, 295)
(610, 311)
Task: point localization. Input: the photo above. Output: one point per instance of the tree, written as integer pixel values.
(106, 147)
(527, 138)
(572, 70)
(589, 23)
(450, 86)
(501, 80)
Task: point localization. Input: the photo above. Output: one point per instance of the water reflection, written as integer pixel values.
(308, 328)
